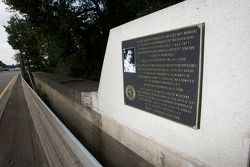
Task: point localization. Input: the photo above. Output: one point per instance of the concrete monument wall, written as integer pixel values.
(224, 135)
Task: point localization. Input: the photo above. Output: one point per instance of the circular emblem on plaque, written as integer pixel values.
(130, 92)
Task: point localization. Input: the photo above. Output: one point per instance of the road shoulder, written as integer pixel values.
(19, 143)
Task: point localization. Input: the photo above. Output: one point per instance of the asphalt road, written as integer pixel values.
(5, 78)
(19, 142)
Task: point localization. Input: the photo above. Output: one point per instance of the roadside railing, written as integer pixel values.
(60, 146)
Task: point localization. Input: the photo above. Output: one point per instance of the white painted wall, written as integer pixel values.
(224, 136)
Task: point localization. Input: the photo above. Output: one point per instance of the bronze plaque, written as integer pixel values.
(163, 74)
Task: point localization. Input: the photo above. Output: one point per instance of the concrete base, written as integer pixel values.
(110, 142)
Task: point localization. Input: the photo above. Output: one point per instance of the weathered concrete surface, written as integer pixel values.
(68, 86)
(19, 145)
(86, 124)
(112, 143)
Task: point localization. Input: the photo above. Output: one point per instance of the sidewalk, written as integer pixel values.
(19, 144)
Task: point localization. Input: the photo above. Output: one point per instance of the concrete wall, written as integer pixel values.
(86, 124)
(112, 143)
(224, 135)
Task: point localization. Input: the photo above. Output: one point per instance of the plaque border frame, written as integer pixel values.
(201, 26)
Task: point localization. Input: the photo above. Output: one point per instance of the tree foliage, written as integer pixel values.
(69, 36)
(2, 64)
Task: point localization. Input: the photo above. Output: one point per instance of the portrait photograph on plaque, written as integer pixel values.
(162, 74)
(129, 60)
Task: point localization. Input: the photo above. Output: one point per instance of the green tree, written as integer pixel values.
(70, 36)
(22, 37)
(2, 64)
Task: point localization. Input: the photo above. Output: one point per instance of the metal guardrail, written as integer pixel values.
(60, 146)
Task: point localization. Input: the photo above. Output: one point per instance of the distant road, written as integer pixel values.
(5, 78)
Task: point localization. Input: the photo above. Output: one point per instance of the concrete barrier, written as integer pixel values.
(60, 146)
(90, 127)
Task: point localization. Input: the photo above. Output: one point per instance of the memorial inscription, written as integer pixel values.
(163, 74)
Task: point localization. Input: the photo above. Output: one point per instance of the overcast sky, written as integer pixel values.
(6, 51)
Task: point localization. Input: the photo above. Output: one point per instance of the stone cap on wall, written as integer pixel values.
(73, 88)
